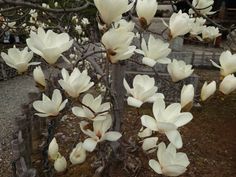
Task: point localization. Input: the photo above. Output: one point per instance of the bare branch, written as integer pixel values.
(24, 4)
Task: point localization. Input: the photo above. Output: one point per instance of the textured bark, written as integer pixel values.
(118, 93)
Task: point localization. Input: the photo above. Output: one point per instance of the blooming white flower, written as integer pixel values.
(95, 110)
(49, 45)
(203, 6)
(117, 43)
(227, 63)
(79, 29)
(228, 84)
(196, 29)
(187, 95)
(180, 24)
(146, 10)
(167, 120)
(38, 76)
(33, 14)
(50, 107)
(149, 144)
(53, 148)
(99, 133)
(60, 164)
(208, 90)
(210, 33)
(75, 83)
(144, 90)
(178, 70)
(170, 163)
(156, 51)
(17, 59)
(111, 11)
(85, 21)
(78, 154)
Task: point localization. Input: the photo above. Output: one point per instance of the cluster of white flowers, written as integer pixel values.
(227, 70)
(181, 24)
(208, 33)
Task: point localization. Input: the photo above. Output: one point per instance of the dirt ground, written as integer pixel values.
(209, 141)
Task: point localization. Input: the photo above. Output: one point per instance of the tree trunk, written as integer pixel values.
(118, 93)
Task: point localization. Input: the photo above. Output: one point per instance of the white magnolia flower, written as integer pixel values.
(53, 148)
(85, 21)
(38, 76)
(78, 154)
(99, 133)
(18, 59)
(146, 10)
(49, 45)
(170, 162)
(228, 84)
(180, 24)
(167, 120)
(111, 11)
(144, 90)
(227, 63)
(33, 13)
(187, 95)
(117, 43)
(50, 107)
(75, 83)
(60, 164)
(95, 110)
(210, 33)
(79, 29)
(149, 144)
(129, 26)
(203, 6)
(178, 70)
(208, 90)
(156, 51)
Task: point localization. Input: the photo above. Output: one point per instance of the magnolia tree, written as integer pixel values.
(101, 113)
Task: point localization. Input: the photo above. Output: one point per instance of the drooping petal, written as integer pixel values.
(112, 136)
(173, 170)
(155, 166)
(175, 138)
(149, 144)
(149, 122)
(183, 119)
(134, 102)
(89, 144)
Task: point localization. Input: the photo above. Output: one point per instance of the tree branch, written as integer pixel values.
(31, 5)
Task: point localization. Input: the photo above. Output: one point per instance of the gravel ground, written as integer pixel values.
(13, 93)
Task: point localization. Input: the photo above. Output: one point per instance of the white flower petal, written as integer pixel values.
(149, 122)
(89, 144)
(112, 136)
(155, 166)
(175, 138)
